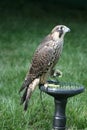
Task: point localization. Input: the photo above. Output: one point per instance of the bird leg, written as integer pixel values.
(43, 80)
(54, 74)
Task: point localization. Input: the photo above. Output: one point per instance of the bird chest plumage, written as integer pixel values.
(58, 46)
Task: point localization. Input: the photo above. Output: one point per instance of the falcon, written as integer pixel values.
(44, 60)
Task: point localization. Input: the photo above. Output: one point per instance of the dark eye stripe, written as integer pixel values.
(61, 28)
(60, 32)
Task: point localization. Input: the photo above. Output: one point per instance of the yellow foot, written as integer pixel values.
(46, 85)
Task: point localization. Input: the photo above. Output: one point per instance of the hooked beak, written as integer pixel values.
(67, 29)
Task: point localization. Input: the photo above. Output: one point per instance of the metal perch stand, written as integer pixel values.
(61, 91)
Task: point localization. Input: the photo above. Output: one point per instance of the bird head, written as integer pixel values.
(59, 31)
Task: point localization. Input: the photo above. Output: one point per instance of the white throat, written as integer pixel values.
(56, 37)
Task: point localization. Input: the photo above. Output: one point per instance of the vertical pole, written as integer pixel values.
(59, 121)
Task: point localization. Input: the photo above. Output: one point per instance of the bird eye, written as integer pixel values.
(60, 28)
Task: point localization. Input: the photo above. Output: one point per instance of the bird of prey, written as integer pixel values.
(44, 60)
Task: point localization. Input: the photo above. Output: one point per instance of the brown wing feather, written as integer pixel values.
(41, 60)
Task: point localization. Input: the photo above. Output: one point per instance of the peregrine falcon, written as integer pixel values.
(43, 62)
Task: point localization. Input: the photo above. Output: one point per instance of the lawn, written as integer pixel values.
(22, 27)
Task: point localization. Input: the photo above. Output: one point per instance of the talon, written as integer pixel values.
(46, 85)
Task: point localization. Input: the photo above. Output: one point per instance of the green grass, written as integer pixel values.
(21, 30)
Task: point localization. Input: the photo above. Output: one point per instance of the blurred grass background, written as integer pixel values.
(22, 26)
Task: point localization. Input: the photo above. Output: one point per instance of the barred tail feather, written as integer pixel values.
(25, 98)
(25, 84)
(28, 95)
(29, 88)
